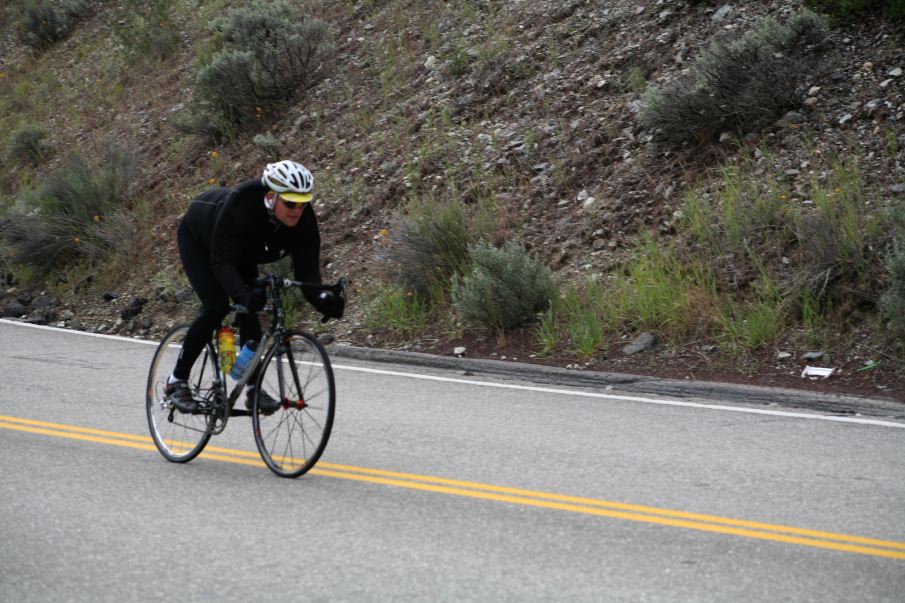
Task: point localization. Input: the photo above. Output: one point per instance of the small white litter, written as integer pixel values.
(816, 371)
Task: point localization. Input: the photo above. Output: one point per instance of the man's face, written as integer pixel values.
(288, 212)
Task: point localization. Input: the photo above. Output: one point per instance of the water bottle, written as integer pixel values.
(242, 360)
(226, 342)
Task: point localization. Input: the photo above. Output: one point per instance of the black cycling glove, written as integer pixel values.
(255, 299)
(331, 304)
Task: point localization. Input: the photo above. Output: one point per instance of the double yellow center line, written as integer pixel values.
(575, 504)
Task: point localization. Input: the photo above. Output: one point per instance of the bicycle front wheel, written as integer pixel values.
(296, 371)
(179, 437)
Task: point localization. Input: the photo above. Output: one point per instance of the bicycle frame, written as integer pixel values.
(271, 337)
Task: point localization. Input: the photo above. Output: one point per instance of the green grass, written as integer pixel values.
(405, 312)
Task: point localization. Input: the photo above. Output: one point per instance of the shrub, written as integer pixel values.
(839, 10)
(271, 54)
(45, 23)
(146, 31)
(27, 145)
(268, 143)
(427, 247)
(76, 214)
(834, 257)
(506, 287)
(738, 85)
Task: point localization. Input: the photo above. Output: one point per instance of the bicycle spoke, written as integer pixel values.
(293, 438)
(179, 437)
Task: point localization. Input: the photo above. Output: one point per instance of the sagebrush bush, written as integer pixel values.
(27, 145)
(271, 54)
(147, 30)
(76, 214)
(423, 249)
(505, 288)
(844, 9)
(268, 143)
(738, 85)
(46, 23)
(836, 256)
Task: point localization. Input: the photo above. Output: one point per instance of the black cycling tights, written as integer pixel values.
(214, 301)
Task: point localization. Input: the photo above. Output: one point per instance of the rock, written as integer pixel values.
(134, 308)
(37, 318)
(845, 119)
(895, 72)
(645, 341)
(812, 355)
(25, 298)
(108, 296)
(431, 62)
(13, 309)
(146, 323)
(783, 355)
(326, 338)
(721, 13)
(459, 351)
(898, 189)
(792, 119)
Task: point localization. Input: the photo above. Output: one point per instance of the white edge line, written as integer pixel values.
(547, 390)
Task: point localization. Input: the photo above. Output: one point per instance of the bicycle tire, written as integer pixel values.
(293, 438)
(179, 437)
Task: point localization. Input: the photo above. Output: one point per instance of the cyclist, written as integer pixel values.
(223, 237)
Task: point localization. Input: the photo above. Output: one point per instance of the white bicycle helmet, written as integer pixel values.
(289, 179)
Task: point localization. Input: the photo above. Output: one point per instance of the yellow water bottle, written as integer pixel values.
(227, 341)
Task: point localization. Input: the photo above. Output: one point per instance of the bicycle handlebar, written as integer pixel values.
(274, 282)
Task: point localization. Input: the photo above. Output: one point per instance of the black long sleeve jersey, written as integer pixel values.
(239, 231)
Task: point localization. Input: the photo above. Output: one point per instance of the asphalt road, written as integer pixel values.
(439, 486)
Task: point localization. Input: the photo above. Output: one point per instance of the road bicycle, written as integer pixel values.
(291, 366)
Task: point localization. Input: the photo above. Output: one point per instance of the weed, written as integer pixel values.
(747, 326)
(835, 237)
(76, 214)
(402, 311)
(547, 332)
(663, 292)
(893, 300)
(584, 311)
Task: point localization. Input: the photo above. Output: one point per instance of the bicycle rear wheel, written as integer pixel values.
(180, 437)
(297, 372)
